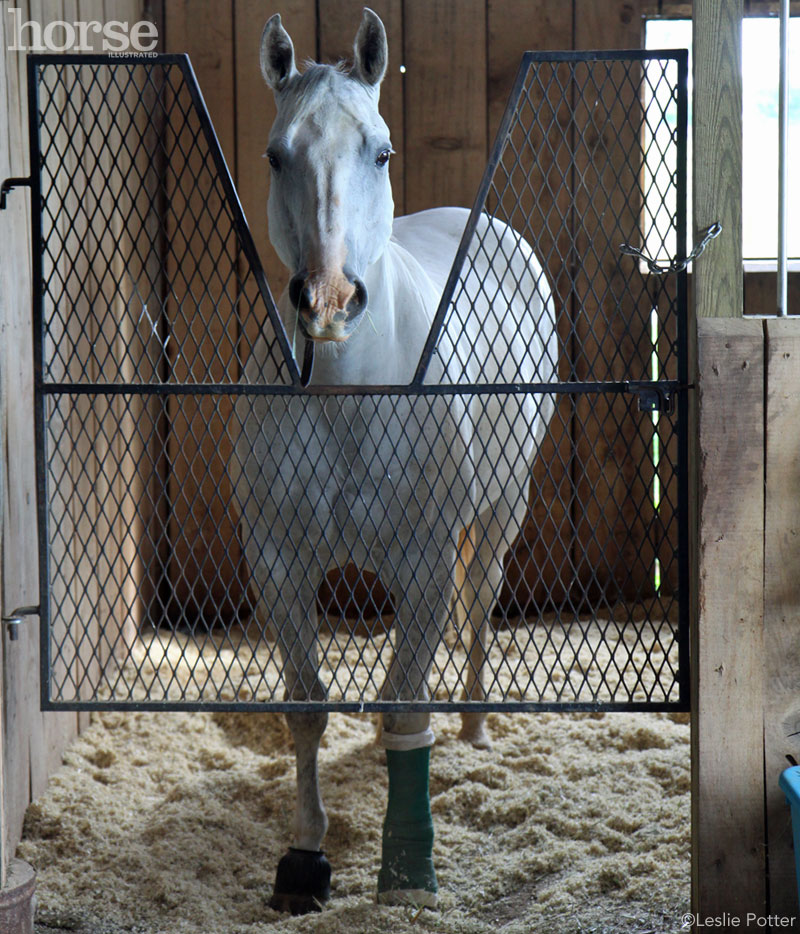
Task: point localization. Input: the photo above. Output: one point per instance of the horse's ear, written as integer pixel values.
(277, 54)
(371, 50)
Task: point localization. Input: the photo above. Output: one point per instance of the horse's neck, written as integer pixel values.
(385, 348)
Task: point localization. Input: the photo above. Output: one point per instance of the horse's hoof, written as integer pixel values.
(302, 882)
(294, 904)
(416, 898)
(473, 730)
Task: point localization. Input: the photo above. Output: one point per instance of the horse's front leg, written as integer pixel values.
(303, 878)
(407, 875)
(302, 881)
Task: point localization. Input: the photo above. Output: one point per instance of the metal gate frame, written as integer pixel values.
(653, 395)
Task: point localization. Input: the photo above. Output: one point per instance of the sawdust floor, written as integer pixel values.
(175, 822)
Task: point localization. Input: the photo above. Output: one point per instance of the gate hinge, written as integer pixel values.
(9, 184)
(653, 397)
(14, 619)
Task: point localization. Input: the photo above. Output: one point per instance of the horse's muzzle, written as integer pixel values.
(328, 310)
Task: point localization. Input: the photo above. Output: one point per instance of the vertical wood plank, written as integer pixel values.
(7, 283)
(781, 602)
(120, 492)
(614, 558)
(538, 569)
(537, 25)
(728, 869)
(21, 717)
(717, 168)
(203, 330)
(728, 860)
(446, 125)
(32, 740)
(47, 742)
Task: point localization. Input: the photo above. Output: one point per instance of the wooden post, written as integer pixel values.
(5, 275)
(717, 162)
(781, 602)
(728, 859)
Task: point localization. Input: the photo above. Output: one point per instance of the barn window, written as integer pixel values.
(760, 129)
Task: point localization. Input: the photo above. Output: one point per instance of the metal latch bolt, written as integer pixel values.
(9, 184)
(653, 397)
(14, 619)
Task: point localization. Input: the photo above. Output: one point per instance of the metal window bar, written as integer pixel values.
(147, 292)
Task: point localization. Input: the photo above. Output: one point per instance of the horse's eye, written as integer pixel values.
(273, 160)
(383, 157)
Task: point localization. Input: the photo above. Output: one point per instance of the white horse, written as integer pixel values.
(385, 482)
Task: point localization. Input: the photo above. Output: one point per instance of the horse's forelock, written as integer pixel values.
(301, 95)
(342, 66)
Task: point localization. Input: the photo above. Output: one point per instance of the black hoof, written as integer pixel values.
(302, 882)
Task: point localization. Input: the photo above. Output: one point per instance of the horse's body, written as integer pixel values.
(384, 482)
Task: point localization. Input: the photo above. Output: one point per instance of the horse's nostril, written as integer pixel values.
(299, 295)
(358, 302)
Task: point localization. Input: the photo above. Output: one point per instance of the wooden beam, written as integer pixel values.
(781, 602)
(728, 859)
(717, 160)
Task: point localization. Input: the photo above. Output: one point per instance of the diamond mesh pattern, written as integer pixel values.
(583, 165)
(109, 552)
(156, 442)
(145, 276)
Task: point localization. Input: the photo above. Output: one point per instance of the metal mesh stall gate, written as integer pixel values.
(149, 298)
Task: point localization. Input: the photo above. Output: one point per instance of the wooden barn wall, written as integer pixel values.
(460, 59)
(747, 656)
(32, 741)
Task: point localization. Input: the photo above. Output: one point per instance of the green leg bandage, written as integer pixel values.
(407, 874)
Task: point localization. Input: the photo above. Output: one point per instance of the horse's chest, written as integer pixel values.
(362, 467)
(353, 452)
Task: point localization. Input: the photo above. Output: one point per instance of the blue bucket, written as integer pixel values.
(790, 784)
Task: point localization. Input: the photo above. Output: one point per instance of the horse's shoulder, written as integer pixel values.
(431, 238)
(441, 229)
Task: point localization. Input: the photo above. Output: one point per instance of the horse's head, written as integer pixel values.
(330, 202)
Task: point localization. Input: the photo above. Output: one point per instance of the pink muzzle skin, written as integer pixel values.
(329, 308)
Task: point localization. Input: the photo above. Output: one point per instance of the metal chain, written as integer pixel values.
(677, 265)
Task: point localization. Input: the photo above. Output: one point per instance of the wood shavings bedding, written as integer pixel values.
(549, 661)
(175, 822)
